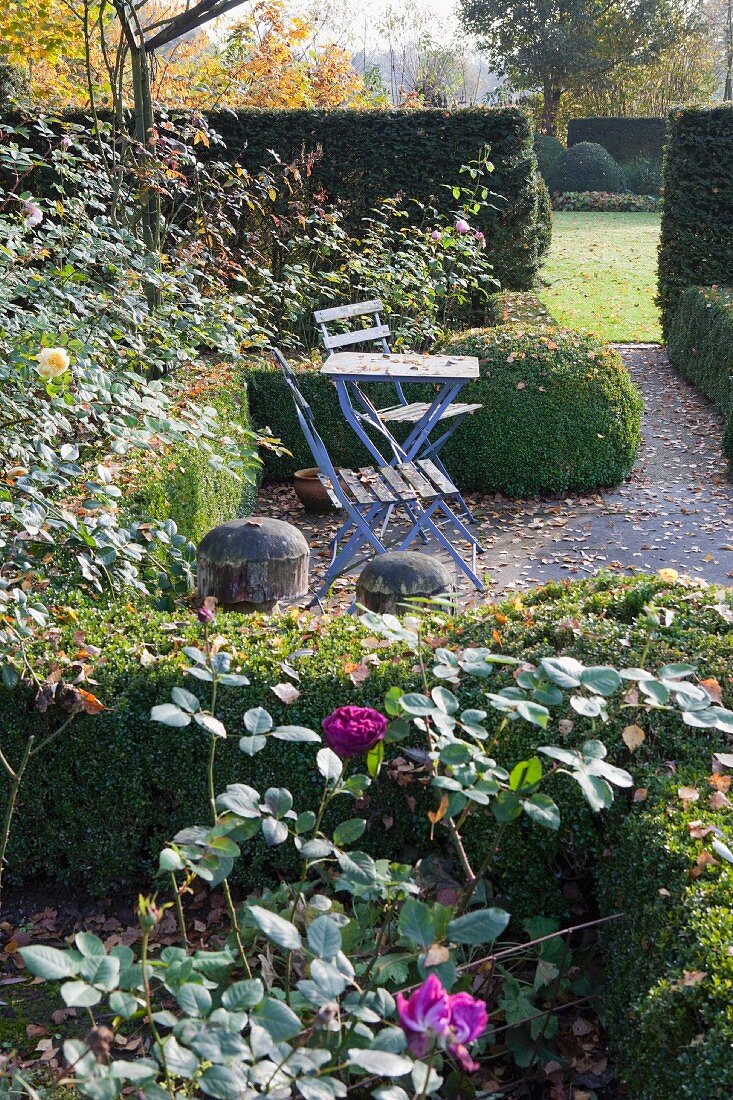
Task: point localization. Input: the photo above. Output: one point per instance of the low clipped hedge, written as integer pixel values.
(586, 167)
(99, 803)
(559, 412)
(181, 484)
(606, 202)
(700, 346)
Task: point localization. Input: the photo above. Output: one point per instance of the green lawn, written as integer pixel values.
(600, 275)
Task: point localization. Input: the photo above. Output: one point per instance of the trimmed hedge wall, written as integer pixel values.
(179, 483)
(559, 412)
(700, 346)
(696, 245)
(624, 138)
(370, 155)
(98, 804)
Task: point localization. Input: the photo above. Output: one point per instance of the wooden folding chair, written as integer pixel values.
(418, 444)
(373, 494)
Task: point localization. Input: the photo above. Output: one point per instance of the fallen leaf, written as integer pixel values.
(436, 954)
(688, 794)
(713, 689)
(692, 977)
(286, 692)
(633, 737)
(640, 794)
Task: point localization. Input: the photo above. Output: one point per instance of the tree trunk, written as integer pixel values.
(550, 105)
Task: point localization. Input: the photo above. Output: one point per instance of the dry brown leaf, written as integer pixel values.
(688, 794)
(633, 737)
(286, 693)
(713, 689)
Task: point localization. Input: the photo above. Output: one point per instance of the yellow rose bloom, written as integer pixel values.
(52, 362)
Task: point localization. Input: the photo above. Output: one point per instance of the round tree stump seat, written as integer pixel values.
(251, 564)
(388, 580)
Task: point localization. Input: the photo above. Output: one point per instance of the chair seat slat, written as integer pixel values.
(357, 336)
(402, 488)
(445, 485)
(340, 313)
(327, 485)
(377, 484)
(416, 479)
(361, 492)
(417, 410)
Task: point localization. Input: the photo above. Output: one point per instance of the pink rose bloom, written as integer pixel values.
(353, 731)
(480, 238)
(424, 1015)
(33, 214)
(468, 1020)
(435, 235)
(462, 227)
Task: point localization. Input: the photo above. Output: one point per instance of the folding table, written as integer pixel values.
(349, 370)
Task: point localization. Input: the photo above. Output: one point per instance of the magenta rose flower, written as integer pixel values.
(424, 1015)
(462, 227)
(468, 1020)
(353, 731)
(435, 235)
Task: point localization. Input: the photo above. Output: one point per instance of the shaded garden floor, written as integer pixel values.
(675, 511)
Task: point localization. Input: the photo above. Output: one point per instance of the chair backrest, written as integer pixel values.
(306, 419)
(376, 332)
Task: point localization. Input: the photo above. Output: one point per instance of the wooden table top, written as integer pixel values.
(403, 367)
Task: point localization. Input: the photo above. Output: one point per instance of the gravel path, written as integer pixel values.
(675, 511)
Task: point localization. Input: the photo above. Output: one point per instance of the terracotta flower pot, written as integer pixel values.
(310, 492)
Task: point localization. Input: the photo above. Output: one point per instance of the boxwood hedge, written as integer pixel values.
(696, 243)
(559, 412)
(98, 804)
(700, 346)
(180, 483)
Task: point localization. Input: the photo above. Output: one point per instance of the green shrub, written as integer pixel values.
(182, 484)
(515, 308)
(606, 202)
(696, 244)
(559, 412)
(548, 151)
(624, 138)
(544, 218)
(586, 167)
(700, 346)
(643, 176)
(670, 986)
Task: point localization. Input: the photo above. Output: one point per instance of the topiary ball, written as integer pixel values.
(548, 151)
(560, 413)
(586, 167)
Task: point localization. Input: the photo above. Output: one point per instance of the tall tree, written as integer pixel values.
(556, 45)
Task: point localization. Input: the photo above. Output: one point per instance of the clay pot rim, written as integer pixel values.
(310, 473)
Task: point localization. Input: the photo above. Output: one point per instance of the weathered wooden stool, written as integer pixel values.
(251, 564)
(388, 580)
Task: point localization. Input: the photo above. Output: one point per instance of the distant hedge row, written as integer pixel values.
(700, 345)
(696, 245)
(366, 156)
(624, 138)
